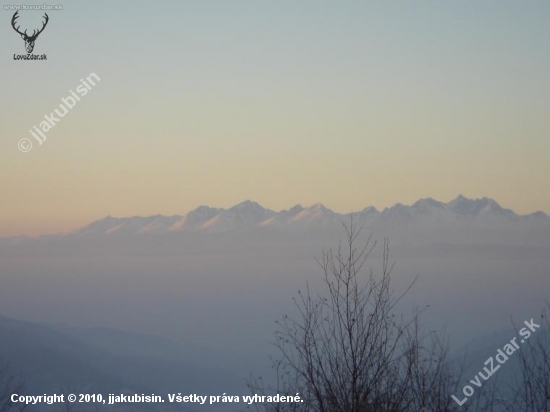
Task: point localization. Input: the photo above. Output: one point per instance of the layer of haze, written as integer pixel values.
(349, 104)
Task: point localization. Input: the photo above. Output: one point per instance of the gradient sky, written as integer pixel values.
(284, 102)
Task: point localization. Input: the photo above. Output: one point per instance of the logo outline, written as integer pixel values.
(29, 40)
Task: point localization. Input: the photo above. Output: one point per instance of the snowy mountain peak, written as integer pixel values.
(538, 215)
(427, 203)
(295, 209)
(319, 207)
(249, 215)
(473, 207)
(369, 210)
(203, 210)
(248, 206)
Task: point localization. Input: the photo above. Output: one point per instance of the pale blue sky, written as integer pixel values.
(284, 102)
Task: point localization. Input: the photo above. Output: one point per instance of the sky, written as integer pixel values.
(349, 104)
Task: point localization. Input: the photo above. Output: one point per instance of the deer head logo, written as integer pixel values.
(29, 40)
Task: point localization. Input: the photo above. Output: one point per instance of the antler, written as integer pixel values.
(15, 16)
(42, 29)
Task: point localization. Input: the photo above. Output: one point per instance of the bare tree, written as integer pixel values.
(349, 352)
(532, 389)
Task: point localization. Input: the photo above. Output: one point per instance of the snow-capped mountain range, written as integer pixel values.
(250, 215)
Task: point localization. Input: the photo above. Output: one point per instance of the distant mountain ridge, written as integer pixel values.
(57, 359)
(251, 215)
